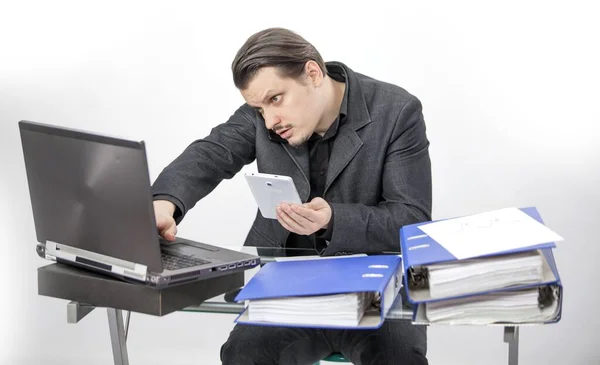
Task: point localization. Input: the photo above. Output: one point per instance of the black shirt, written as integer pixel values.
(319, 151)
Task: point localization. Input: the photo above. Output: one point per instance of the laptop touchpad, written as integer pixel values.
(183, 249)
(180, 249)
(183, 242)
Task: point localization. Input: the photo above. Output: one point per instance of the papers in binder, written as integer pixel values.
(478, 275)
(533, 305)
(488, 233)
(346, 309)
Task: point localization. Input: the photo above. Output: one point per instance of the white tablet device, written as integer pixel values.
(271, 190)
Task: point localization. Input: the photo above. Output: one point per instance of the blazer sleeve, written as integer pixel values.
(206, 162)
(406, 191)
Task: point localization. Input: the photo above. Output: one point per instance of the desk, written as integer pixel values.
(208, 298)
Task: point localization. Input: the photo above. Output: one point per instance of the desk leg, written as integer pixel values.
(117, 336)
(511, 336)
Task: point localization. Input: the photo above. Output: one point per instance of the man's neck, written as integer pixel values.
(332, 109)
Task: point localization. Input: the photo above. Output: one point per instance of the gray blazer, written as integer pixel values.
(379, 176)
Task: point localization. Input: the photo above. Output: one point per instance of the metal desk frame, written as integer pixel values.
(119, 327)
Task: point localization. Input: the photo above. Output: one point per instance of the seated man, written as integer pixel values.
(357, 151)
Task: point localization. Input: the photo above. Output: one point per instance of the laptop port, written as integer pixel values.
(232, 266)
(240, 264)
(222, 268)
(253, 262)
(247, 263)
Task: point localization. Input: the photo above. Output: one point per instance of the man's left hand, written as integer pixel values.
(304, 219)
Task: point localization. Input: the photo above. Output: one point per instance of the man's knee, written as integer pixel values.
(249, 345)
(407, 343)
(240, 347)
(396, 342)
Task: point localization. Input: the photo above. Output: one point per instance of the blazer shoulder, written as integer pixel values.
(380, 94)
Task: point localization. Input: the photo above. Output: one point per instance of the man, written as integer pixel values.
(357, 151)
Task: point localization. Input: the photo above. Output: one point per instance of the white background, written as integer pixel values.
(510, 95)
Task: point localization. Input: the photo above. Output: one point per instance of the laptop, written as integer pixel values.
(92, 208)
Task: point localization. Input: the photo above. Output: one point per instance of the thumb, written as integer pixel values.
(316, 204)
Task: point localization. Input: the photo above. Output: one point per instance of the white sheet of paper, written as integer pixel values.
(316, 257)
(490, 232)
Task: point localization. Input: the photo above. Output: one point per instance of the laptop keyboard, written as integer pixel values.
(174, 262)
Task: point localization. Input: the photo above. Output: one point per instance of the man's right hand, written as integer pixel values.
(163, 212)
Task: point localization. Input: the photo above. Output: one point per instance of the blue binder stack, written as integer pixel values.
(503, 273)
(312, 292)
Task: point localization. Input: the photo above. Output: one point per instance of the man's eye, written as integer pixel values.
(276, 98)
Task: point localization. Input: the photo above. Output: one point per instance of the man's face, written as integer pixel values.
(291, 108)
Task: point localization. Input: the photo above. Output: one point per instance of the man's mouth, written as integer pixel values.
(285, 133)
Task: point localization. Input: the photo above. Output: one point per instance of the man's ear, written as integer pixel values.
(313, 73)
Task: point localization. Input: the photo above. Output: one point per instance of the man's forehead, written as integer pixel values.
(267, 80)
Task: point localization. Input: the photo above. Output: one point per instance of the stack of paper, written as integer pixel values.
(345, 309)
(490, 273)
(518, 306)
(490, 267)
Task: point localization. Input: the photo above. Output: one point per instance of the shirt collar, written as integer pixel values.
(338, 73)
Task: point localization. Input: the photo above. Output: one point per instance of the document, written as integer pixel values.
(316, 257)
(486, 233)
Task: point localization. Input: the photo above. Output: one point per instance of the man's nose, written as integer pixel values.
(271, 119)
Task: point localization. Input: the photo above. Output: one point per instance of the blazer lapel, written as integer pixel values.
(347, 142)
(346, 145)
(301, 158)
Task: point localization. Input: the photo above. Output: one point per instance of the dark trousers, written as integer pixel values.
(395, 343)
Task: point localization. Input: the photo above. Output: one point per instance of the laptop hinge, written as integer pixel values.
(50, 247)
(128, 269)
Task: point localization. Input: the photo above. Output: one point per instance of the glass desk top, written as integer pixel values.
(219, 304)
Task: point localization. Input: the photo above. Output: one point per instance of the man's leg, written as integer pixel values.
(396, 342)
(266, 345)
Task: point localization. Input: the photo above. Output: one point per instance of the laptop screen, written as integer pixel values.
(91, 192)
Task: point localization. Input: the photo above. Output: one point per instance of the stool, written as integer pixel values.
(335, 357)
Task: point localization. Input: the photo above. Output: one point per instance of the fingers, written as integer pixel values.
(282, 221)
(298, 213)
(292, 219)
(165, 224)
(288, 222)
(306, 211)
(169, 235)
(167, 228)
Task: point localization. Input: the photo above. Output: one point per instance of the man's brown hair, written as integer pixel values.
(273, 47)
